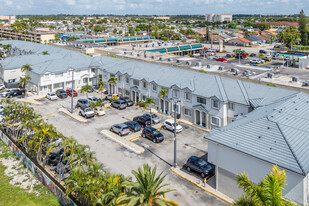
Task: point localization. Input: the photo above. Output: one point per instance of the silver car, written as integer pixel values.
(120, 129)
(119, 104)
(155, 118)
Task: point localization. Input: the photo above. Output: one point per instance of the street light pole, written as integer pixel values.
(72, 90)
(175, 140)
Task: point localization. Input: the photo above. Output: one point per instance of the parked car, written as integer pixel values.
(268, 56)
(229, 55)
(69, 92)
(128, 101)
(169, 125)
(5, 93)
(286, 57)
(120, 129)
(221, 60)
(92, 99)
(119, 104)
(252, 55)
(133, 126)
(142, 120)
(262, 51)
(51, 96)
(155, 118)
(15, 92)
(86, 112)
(254, 61)
(61, 94)
(109, 96)
(200, 166)
(82, 102)
(99, 111)
(152, 134)
(2, 87)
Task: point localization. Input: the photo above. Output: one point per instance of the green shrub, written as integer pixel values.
(271, 85)
(202, 71)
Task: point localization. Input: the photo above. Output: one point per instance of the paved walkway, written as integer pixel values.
(203, 185)
(123, 141)
(31, 99)
(74, 115)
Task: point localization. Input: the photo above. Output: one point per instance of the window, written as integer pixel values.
(136, 82)
(57, 75)
(127, 80)
(144, 85)
(231, 106)
(188, 112)
(188, 97)
(119, 78)
(201, 100)
(144, 98)
(215, 104)
(127, 93)
(176, 93)
(11, 80)
(154, 87)
(119, 90)
(215, 121)
(112, 75)
(46, 76)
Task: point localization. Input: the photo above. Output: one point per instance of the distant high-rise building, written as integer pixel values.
(11, 18)
(218, 17)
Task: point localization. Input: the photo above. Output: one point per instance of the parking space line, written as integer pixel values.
(203, 188)
(134, 138)
(52, 113)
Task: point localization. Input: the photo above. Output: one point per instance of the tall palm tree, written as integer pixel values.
(26, 68)
(267, 192)
(85, 89)
(23, 81)
(147, 190)
(149, 101)
(101, 86)
(163, 93)
(112, 82)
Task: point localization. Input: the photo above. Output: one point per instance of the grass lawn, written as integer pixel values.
(14, 195)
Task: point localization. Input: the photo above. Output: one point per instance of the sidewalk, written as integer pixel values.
(31, 99)
(204, 186)
(74, 115)
(123, 141)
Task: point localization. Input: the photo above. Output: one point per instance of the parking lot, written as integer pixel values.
(118, 159)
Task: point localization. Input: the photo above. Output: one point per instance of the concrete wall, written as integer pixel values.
(231, 162)
(12, 74)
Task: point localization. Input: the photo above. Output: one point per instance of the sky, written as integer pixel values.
(152, 7)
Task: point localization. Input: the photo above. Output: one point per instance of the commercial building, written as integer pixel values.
(180, 50)
(120, 41)
(10, 18)
(39, 37)
(218, 17)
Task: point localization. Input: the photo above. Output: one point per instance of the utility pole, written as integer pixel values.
(175, 140)
(72, 90)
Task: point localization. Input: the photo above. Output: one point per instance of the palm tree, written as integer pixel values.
(149, 101)
(23, 81)
(112, 82)
(101, 86)
(147, 190)
(26, 68)
(163, 93)
(267, 192)
(85, 89)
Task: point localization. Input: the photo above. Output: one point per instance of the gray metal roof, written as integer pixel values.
(277, 133)
(206, 85)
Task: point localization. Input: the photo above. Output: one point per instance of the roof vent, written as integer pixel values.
(275, 141)
(293, 101)
(295, 108)
(307, 101)
(270, 148)
(259, 137)
(268, 127)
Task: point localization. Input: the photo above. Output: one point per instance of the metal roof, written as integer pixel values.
(117, 39)
(177, 48)
(277, 133)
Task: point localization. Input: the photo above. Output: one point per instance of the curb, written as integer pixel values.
(124, 144)
(69, 114)
(29, 102)
(203, 188)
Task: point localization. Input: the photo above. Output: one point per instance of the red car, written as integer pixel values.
(221, 60)
(69, 92)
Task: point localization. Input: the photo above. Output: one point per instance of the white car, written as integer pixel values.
(92, 99)
(255, 61)
(169, 125)
(51, 96)
(99, 111)
(2, 87)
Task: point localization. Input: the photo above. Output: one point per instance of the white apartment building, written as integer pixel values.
(206, 100)
(218, 17)
(11, 18)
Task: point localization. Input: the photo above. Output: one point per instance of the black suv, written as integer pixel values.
(200, 166)
(128, 101)
(152, 134)
(142, 120)
(61, 94)
(16, 92)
